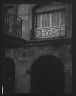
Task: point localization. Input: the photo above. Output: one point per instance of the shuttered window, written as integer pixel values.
(50, 19)
(51, 24)
(46, 20)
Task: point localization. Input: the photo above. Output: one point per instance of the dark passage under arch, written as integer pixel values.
(9, 76)
(47, 76)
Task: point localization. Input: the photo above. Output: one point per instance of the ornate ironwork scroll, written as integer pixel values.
(50, 32)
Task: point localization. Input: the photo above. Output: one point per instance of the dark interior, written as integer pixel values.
(9, 76)
(47, 76)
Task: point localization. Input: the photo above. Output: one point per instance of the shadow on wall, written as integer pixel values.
(9, 76)
(47, 76)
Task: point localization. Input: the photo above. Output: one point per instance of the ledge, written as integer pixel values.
(47, 42)
(14, 42)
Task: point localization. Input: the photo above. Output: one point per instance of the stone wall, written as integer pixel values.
(25, 57)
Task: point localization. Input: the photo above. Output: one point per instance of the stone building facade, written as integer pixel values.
(25, 56)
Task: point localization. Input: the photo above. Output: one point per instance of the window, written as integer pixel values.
(51, 24)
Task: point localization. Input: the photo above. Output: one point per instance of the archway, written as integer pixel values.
(9, 76)
(47, 76)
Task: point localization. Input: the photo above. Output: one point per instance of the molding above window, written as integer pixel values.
(49, 8)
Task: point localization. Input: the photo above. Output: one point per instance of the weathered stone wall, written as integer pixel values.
(25, 57)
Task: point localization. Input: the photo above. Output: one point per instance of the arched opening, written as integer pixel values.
(9, 76)
(47, 76)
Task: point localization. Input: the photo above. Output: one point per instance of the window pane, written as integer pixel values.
(62, 18)
(58, 18)
(38, 21)
(10, 11)
(55, 18)
(48, 20)
(45, 20)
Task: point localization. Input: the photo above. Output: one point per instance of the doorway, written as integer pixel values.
(9, 76)
(47, 76)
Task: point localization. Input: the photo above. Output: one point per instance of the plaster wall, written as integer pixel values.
(25, 57)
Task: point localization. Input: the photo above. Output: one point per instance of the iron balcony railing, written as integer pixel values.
(12, 25)
(51, 32)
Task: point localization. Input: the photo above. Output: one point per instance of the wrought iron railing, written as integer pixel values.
(50, 32)
(12, 25)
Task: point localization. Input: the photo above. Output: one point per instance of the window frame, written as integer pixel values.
(34, 23)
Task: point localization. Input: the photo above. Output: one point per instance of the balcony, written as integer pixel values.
(12, 25)
(13, 32)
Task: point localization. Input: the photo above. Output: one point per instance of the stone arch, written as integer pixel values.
(47, 76)
(9, 76)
